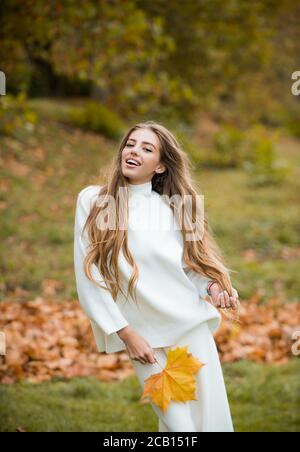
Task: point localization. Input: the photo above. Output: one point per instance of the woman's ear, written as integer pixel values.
(161, 169)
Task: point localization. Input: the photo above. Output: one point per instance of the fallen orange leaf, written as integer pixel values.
(42, 331)
(177, 381)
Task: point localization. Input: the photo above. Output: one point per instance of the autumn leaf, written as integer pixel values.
(177, 381)
(47, 338)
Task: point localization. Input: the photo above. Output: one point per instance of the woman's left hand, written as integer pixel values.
(221, 298)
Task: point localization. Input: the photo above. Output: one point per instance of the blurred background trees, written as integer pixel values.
(233, 58)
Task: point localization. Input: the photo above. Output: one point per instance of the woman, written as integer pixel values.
(143, 233)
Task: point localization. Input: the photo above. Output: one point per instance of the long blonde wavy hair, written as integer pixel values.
(203, 256)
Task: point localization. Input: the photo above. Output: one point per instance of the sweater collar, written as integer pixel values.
(140, 189)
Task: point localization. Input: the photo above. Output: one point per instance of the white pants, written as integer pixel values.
(210, 412)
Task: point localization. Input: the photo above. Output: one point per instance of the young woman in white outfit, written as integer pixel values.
(143, 271)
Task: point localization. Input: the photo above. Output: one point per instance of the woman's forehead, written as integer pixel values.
(146, 136)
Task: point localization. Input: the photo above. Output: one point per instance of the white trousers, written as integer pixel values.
(210, 412)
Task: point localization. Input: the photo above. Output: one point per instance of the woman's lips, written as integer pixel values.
(131, 165)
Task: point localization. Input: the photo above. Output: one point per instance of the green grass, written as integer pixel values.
(37, 222)
(40, 178)
(262, 399)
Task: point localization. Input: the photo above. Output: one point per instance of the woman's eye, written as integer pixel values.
(130, 145)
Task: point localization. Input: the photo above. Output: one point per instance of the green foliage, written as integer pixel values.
(194, 153)
(116, 48)
(15, 115)
(228, 147)
(97, 118)
(291, 120)
(142, 57)
(263, 166)
(50, 108)
(252, 149)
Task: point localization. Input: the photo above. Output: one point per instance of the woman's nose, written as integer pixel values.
(135, 151)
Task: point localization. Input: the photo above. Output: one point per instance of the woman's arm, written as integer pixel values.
(200, 281)
(97, 303)
(219, 297)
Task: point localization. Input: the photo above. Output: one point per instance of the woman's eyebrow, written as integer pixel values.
(143, 142)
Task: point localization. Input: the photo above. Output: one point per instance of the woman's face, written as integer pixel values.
(143, 147)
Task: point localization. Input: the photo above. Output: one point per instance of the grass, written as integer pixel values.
(46, 170)
(40, 180)
(262, 399)
(40, 184)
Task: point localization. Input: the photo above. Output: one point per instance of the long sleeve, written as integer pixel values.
(201, 282)
(97, 303)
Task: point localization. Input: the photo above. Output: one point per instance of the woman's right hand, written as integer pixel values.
(137, 347)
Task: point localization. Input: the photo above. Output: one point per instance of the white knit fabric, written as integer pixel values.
(171, 297)
(209, 411)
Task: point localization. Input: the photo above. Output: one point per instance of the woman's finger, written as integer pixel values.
(216, 301)
(235, 293)
(222, 299)
(227, 300)
(151, 359)
(232, 302)
(236, 303)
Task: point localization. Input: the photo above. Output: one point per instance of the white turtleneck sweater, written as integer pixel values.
(170, 296)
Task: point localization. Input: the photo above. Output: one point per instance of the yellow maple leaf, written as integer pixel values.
(177, 381)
